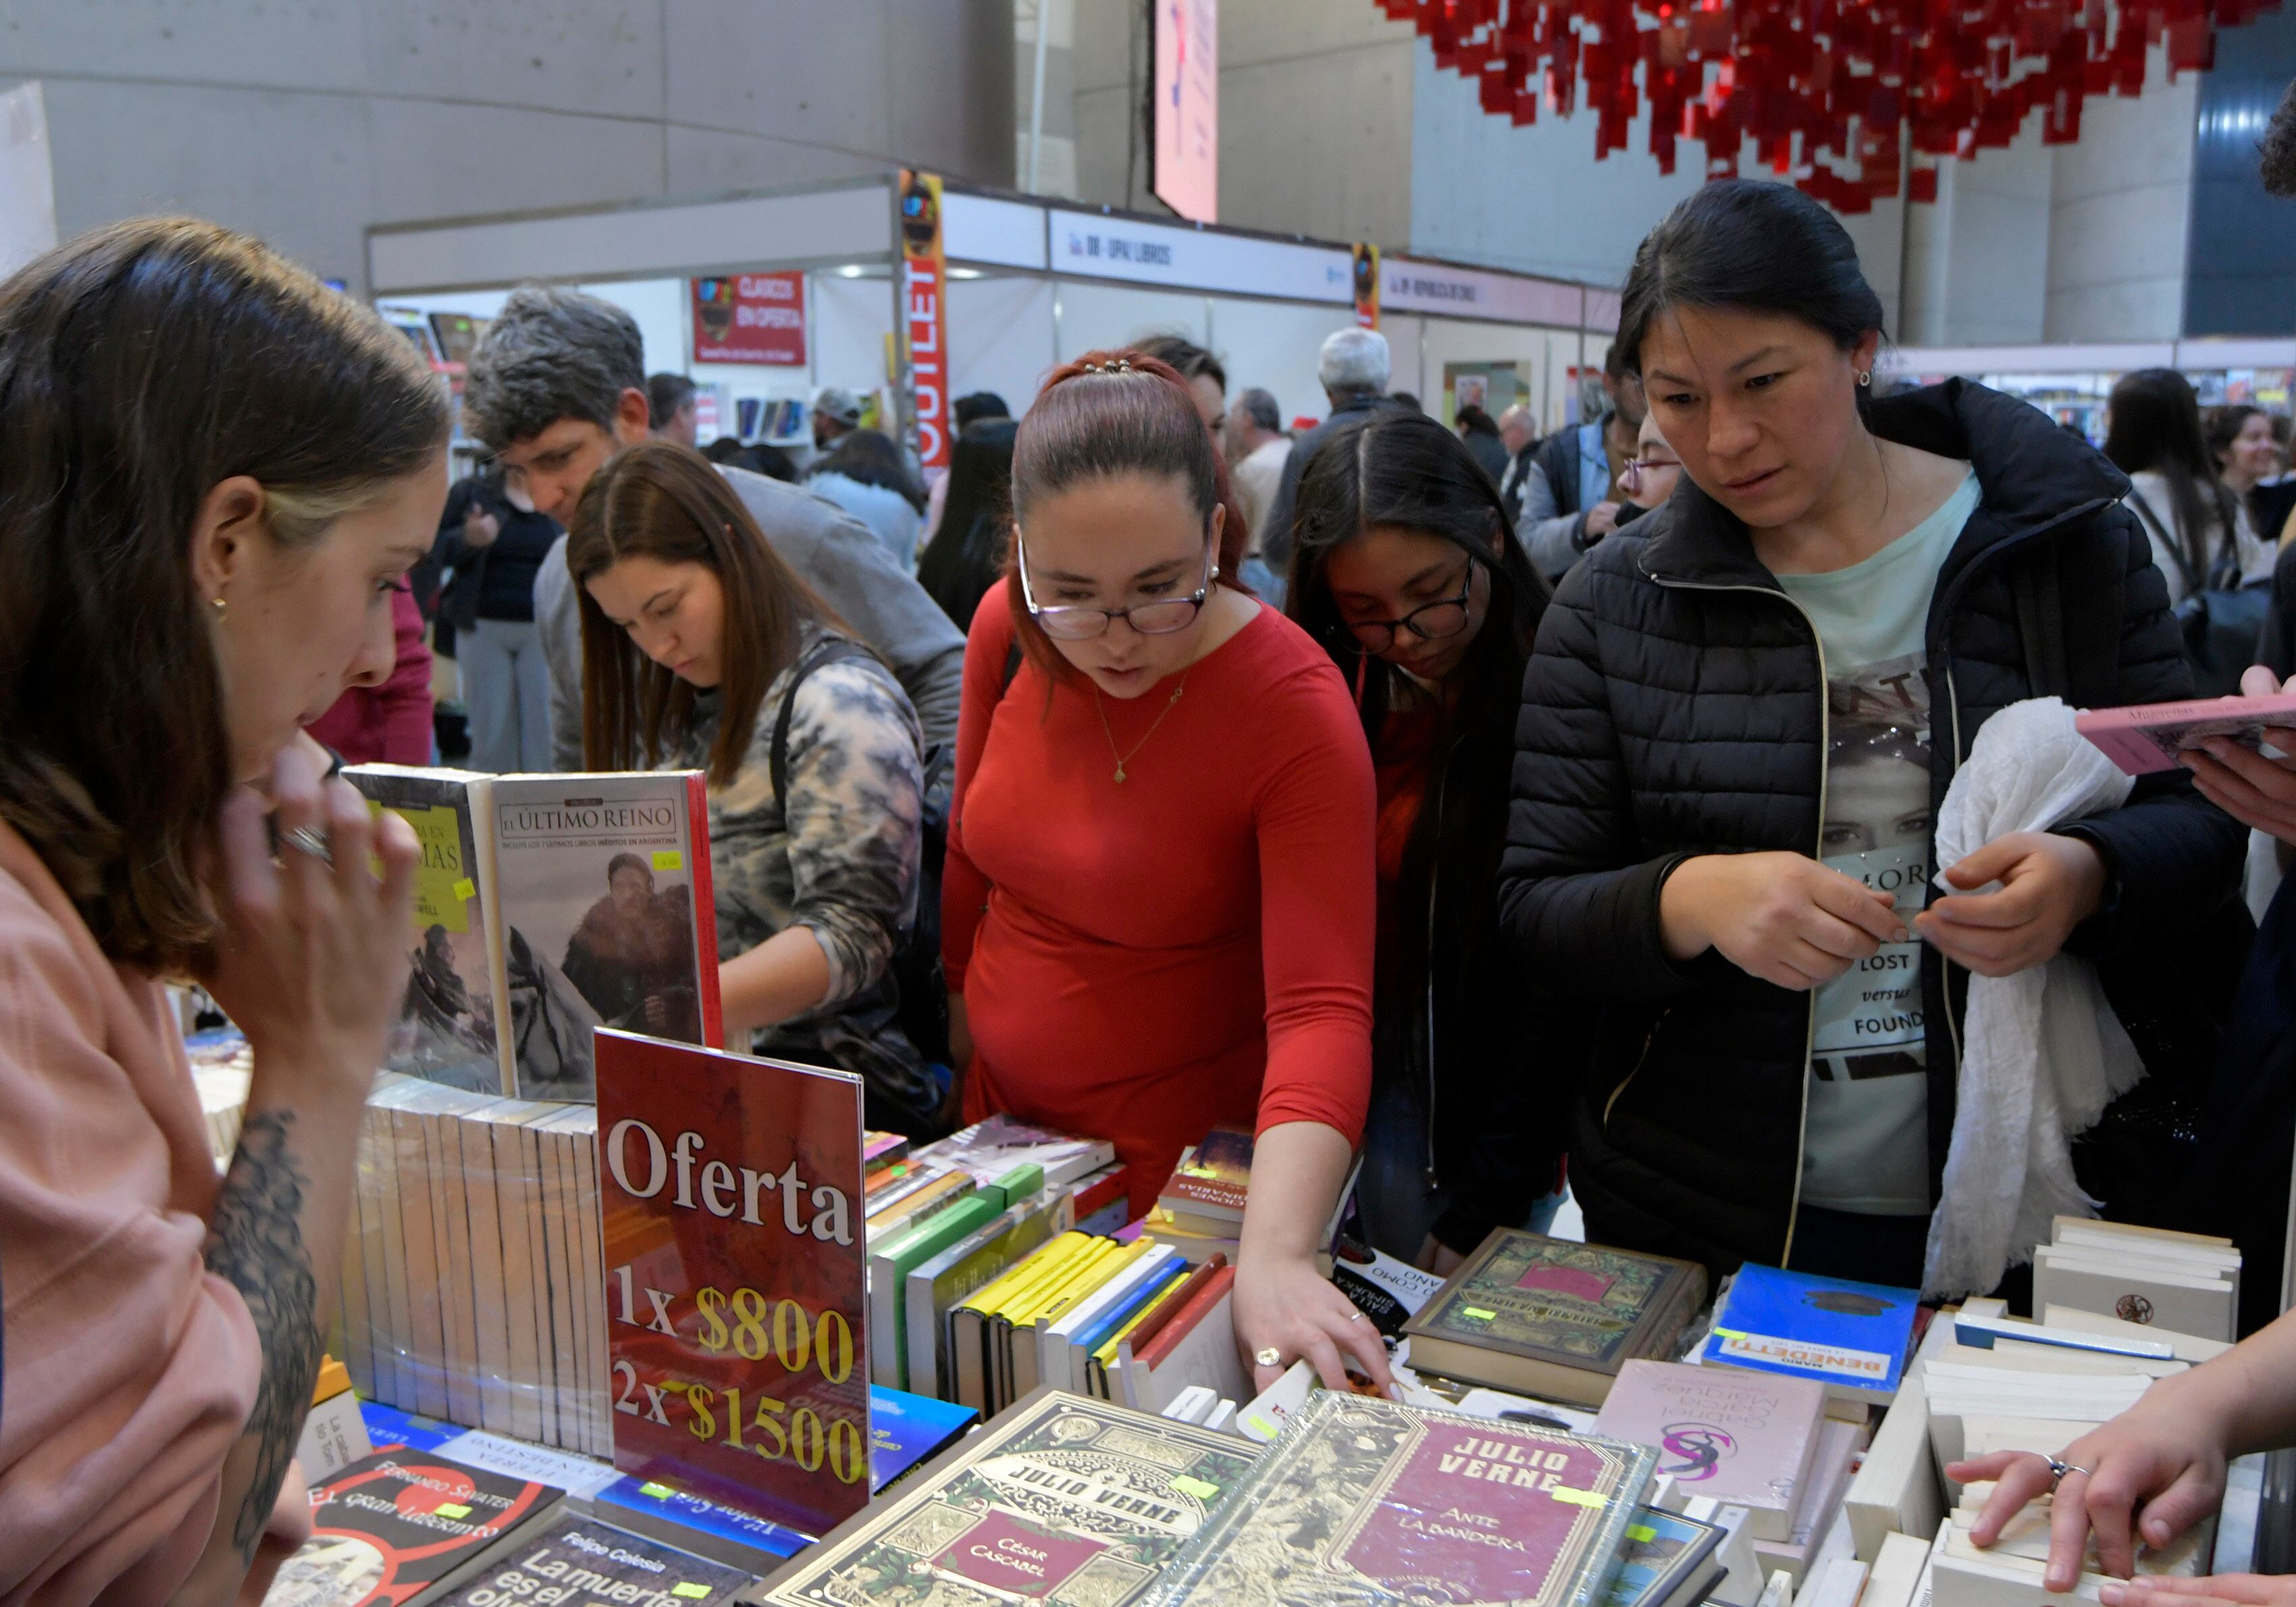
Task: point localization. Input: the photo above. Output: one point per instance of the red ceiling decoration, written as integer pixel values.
(1827, 89)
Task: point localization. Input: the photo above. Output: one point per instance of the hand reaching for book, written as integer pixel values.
(2252, 789)
(1284, 1305)
(2210, 1590)
(2147, 1476)
(313, 958)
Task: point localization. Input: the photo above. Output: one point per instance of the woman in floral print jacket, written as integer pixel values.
(695, 632)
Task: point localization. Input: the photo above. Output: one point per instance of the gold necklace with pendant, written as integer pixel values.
(1100, 703)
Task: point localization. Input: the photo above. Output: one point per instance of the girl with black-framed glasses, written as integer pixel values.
(1158, 901)
(1408, 571)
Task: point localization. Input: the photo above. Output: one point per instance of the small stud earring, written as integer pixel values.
(1866, 378)
(220, 607)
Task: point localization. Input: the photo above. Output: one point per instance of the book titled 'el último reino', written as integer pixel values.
(731, 1194)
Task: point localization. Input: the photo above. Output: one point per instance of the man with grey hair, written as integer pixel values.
(1354, 368)
(1257, 450)
(558, 386)
(1518, 433)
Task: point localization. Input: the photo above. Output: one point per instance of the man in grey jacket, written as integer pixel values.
(557, 386)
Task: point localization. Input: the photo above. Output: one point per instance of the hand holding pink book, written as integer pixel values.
(2144, 739)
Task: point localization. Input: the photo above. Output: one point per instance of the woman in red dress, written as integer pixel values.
(1159, 900)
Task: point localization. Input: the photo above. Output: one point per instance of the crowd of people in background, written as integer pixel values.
(1525, 814)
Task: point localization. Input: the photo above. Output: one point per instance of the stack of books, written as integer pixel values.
(472, 1287)
(1065, 1498)
(2008, 1573)
(1070, 1316)
(2189, 1282)
(1552, 1319)
(1199, 1209)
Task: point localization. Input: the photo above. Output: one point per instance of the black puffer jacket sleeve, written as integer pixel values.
(2167, 842)
(1577, 896)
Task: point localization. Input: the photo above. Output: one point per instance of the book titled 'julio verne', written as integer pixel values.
(1369, 1501)
(401, 1528)
(1061, 1499)
(1550, 1318)
(546, 907)
(730, 1192)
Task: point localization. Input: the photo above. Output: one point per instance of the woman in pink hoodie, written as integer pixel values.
(217, 472)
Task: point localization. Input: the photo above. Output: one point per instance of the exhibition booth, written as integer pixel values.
(765, 298)
(2071, 382)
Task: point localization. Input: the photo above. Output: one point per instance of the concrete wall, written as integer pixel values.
(306, 122)
(1534, 198)
(2120, 213)
(1976, 266)
(1315, 115)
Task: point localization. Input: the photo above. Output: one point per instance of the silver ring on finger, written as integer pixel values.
(309, 840)
(2059, 1469)
(1354, 1316)
(1269, 1358)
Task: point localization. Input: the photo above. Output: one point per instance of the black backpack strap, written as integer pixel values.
(828, 650)
(2168, 539)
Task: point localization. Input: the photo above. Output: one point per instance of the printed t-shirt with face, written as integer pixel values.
(1865, 1141)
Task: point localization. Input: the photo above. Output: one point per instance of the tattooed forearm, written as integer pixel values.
(256, 1244)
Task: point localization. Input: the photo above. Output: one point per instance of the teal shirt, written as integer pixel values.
(1865, 1141)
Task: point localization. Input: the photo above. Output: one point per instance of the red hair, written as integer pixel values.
(1110, 413)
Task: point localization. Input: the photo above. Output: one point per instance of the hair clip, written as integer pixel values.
(1120, 366)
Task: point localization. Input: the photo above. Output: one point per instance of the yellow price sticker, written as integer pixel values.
(690, 1590)
(660, 1492)
(669, 859)
(1476, 1310)
(1564, 1493)
(451, 1509)
(1197, 1488)
(1642, 1533)
(466, 889)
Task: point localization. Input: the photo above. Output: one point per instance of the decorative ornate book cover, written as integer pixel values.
(1064, 1500)
(736, 1277)
(1364, 1503)
(1580, 1305)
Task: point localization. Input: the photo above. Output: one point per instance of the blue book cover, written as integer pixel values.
(1664, 1551)
(1850, 1336)
(1124, 1310)
(905, 1429)
(389, 1426)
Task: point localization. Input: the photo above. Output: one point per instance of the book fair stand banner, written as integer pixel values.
(731, 1192)
(924, 316)
(750, 319)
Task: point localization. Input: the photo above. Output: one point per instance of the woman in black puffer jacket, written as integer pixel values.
(1726, 773)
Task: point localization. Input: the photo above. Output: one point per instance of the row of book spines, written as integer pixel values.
(1013, 1319)
(473, 1288)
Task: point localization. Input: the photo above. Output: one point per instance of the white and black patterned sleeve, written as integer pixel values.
(851, 812)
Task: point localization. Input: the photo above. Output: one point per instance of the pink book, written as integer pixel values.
(1744, 1439)
(2147, 736)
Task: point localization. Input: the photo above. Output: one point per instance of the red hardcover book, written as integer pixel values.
(737, 1282)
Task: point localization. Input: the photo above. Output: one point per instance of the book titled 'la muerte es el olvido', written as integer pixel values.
(1549, 1318)
(1368, 1501)
(731, 1194)
(1062, 1499)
